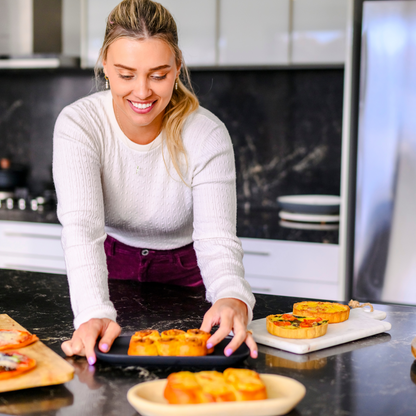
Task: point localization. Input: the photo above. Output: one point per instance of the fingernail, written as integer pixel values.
(91, 360)
(104, 347)
(228, 352)
(209, 345)
(254, 354)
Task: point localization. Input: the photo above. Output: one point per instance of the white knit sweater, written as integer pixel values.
(107, 184)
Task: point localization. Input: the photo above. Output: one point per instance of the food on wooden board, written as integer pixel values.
(234, 384)
(331, 311)
(413, 347)
(13, 363)
(172, 342)
(296, 327)
(13, 338)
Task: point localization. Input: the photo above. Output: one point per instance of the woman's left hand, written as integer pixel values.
(229, 314)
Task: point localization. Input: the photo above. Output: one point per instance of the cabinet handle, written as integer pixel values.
(257, 253)
(48, 237)
(261, 289)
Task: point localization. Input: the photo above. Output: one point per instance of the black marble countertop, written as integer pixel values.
(266, 223)
(251, 224)
(372, 376)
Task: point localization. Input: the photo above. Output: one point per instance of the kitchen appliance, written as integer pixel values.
(21, 199)
(11, 176)
(40, 33)
(381, 239)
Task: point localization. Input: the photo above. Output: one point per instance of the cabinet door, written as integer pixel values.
(196, 22)
(31, 246)
(319, 31)
(254, 32)
(95, 14)
(291, 260)
(296, 288)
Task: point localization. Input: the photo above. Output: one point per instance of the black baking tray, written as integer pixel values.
(118, 355)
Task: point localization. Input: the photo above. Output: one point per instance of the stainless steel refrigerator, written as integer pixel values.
(382, 222)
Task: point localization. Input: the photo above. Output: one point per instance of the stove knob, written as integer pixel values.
(9, 203)
(40, 200)
(22, 204)
(34, 205)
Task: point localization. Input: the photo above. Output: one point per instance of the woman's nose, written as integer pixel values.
(142, 89)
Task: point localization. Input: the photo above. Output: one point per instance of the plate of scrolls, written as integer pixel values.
(118, 356)
(283, 394)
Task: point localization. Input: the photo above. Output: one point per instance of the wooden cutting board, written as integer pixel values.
(50, 369)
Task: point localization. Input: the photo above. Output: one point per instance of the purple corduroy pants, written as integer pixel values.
(175, 267)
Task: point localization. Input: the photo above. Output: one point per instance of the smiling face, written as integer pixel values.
(142, 75)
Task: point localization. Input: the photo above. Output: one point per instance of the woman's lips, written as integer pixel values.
(147, 107)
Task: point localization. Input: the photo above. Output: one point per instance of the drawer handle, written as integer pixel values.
(257, 253)
(48, 237)
(260, 289)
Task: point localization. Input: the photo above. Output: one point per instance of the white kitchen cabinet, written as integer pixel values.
(240, 32)
(94, 18)
(319, 31)
(254, 32)
(31, 246)
(292, 268)
(196, 21)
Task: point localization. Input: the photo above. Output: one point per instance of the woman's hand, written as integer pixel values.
(85, 337)
(229, 314)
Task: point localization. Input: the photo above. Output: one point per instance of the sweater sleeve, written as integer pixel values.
(76, 173)
(217, 246)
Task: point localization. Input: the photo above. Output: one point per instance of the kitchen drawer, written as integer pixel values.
(291, 260)
(310, 290)
(31, 238)
(33, 264)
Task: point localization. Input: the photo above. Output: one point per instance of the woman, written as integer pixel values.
(145, 180)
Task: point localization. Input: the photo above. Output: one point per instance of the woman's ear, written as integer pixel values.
(105, 68)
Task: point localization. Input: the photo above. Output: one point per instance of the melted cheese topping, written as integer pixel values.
(9, 362)
(8, 336)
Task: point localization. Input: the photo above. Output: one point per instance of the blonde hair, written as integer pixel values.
(144, 19)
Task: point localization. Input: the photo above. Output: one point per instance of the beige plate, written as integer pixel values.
(283, 394)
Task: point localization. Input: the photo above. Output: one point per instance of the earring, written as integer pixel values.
(176, 85)
(106, 82)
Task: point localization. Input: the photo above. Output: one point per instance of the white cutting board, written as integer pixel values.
(360, 324)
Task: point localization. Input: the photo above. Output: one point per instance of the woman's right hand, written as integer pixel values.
(85, 337)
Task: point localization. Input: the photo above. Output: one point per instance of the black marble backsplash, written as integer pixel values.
(285, 124)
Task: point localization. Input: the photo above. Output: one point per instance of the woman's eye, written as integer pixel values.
(125, 76)
(159, 77)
